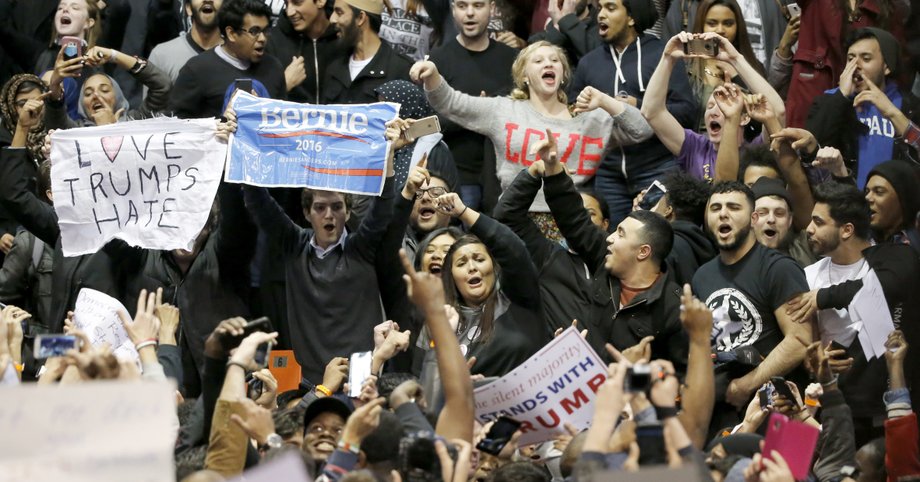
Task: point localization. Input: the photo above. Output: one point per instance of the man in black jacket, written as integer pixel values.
(631, 298)
(305, 41)
(370, 62)
(565, 279)
(573, 26)
(868, 117)
(894, 202)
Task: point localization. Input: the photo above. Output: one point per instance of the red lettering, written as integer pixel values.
(573, 139)
(510, 127)
(524, 147)
(555, 421)
(526, 427)
(570, 406)
(596, 382)
(594, 158)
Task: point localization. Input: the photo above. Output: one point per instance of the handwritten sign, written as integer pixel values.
(556, 385)
(148, 182)
(329, 147)
(96, 314)
(89, 432)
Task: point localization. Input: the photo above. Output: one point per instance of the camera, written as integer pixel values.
(418, 461)
(639, 377)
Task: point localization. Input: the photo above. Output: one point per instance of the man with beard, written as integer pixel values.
(370, 62)
(622, 67)
(305, 41)
(474, 64)
(747, 287)
(171, 56)
(202, 85)
(840, 231)
(573, 26)
(773, 221)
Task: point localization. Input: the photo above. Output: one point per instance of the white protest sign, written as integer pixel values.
(149, 182)
(556, 385)
(96, 314)
(287, 467)
(105, 431)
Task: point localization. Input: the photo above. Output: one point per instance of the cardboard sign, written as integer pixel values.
(556, 385)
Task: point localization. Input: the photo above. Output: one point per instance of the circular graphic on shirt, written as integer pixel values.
(736, 321)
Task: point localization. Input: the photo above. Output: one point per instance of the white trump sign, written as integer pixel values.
(148, 182)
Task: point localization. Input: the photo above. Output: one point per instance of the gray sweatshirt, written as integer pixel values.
(514, 127)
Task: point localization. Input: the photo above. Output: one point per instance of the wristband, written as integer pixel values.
(325, 391)
(144, 344)
(19, 367)
(234, 362)
(664, 413)
(832, 382)
(347, 447)
(464, 210)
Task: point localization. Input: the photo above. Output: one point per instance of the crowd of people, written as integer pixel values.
(704, 188)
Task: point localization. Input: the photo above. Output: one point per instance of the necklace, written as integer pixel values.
(830, 282)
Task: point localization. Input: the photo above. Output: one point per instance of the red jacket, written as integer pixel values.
(902, 447)
(820, 56)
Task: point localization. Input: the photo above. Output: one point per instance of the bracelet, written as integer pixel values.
(19, 367)
(353, 448)
(322, 389)
(464, 210)
(832, 382)
(144, 344)
(664, 413)
(234, 362)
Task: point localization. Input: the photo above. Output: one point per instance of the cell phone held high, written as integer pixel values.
(359, 370)
(73, 47)
(423, 127)
(780, 387)
(499, 435)
(699, 46)
(793, 10)
(653, 194)
(47, 346)
(262, 324)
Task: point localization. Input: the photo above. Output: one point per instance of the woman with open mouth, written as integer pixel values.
(74, 18)
(538, 104)
(491, 283)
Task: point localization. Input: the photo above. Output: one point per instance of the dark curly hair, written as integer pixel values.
(687, 196)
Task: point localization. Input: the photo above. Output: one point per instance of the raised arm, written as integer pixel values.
(269, 216)
(665, 125)
(471, 112)
(755, 82)
(629, 127)
(729, 99)
(36, 216)
(427, 292)
(698, 395)
(156, 81)
(512, 210)
(373, 229)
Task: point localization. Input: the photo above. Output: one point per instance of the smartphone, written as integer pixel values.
(765, 395)
(498, 435)
(262, 324)
(261, 356)
(699, 46)
(244, 84)
(650, 439)
(795, 441)
(47, 346)
(73, 47)
(254, 387)
(638, 378)
(780, 387)
(359, 369)
(794, 10)
(423, 127)
(653, 194)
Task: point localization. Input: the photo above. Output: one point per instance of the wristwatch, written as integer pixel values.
(273, 441)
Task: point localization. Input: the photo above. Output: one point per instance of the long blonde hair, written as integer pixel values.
(518, 76)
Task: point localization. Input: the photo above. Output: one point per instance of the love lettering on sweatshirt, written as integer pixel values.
(148, 182)
(580, 152)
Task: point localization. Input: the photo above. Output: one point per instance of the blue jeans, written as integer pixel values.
(471, 195)
(620, 191)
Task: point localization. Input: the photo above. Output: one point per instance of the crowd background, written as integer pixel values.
(703, 188)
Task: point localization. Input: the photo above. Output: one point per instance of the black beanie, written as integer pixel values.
(643, 13)
(891, 50)
(768, 186)
(443, 168)
(903, 177)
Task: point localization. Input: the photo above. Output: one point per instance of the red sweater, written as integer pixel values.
(902, 447)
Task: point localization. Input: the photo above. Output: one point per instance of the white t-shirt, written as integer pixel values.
(752, 17)
(835, 324)
(356, 66)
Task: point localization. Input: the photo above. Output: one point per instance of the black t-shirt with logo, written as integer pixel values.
(743, 297)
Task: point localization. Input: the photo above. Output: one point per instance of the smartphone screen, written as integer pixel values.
(244, 84)
(650, 439)
(261, 356)
(499, 435)
(359, 368)
(653, 194)
(47, 346)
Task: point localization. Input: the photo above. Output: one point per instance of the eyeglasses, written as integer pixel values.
(256, 31)
(434, 192)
